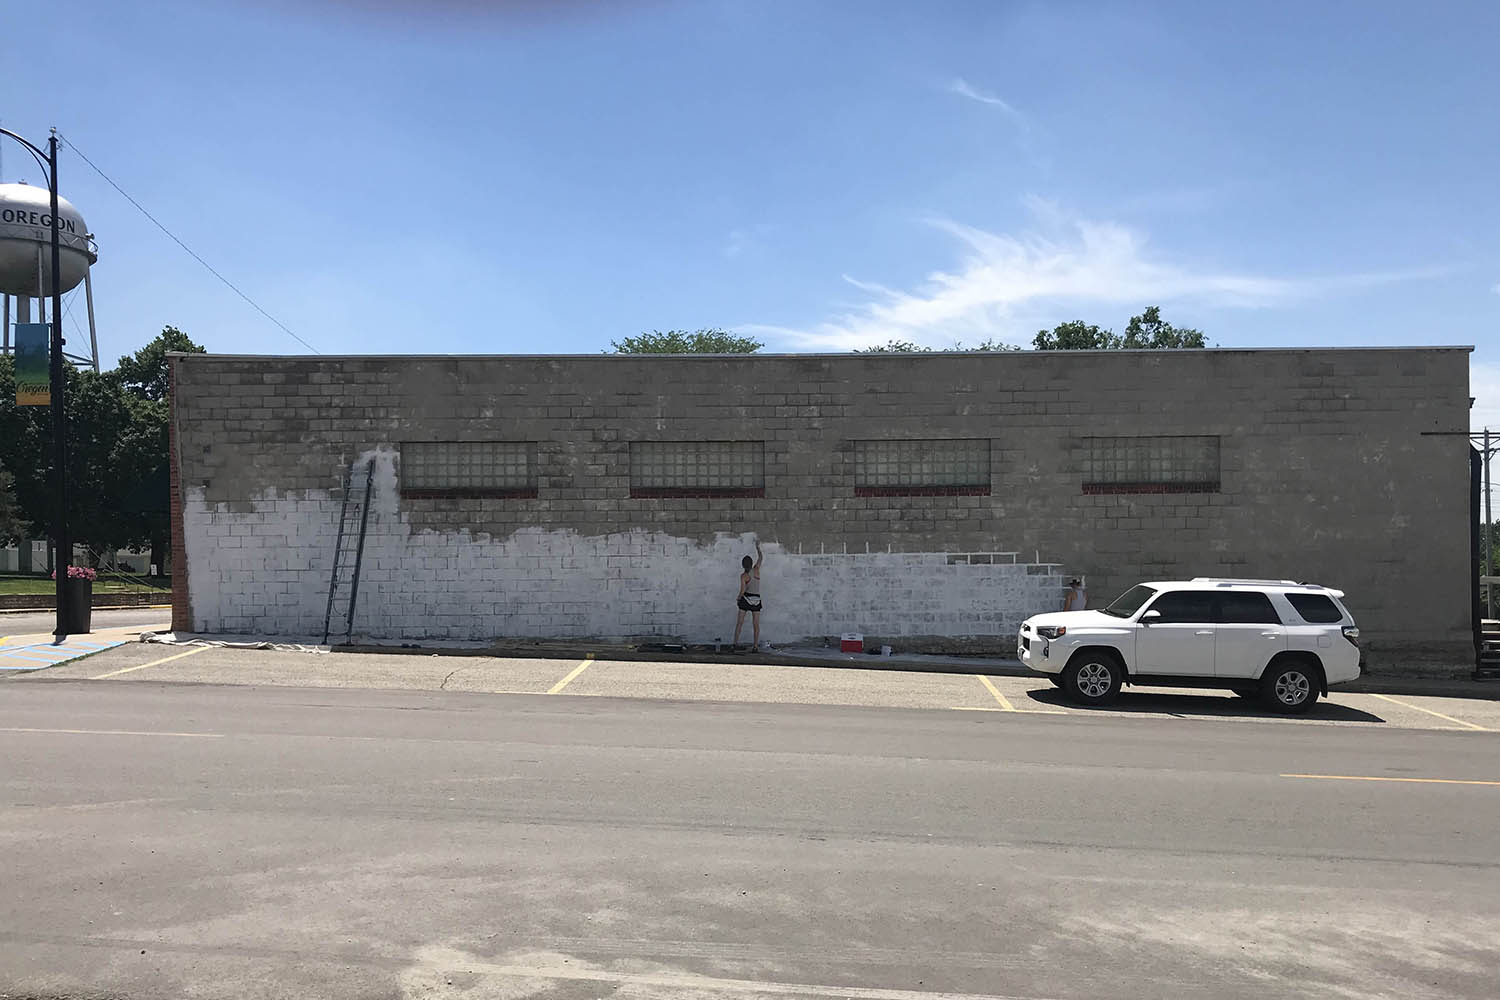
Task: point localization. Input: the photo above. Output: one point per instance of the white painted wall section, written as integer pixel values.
(263, 568)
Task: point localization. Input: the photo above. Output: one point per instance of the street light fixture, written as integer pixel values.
(62, 543)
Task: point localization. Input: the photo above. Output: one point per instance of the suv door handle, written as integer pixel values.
(1207, 631)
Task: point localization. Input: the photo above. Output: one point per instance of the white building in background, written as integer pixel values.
(31, 557)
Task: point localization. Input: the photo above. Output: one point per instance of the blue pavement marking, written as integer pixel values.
(45, 654)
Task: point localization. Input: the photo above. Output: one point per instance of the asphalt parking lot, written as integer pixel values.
(733, 682)
(216, 841)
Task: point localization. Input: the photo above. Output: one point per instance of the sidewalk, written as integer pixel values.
(807, 656)
(39, 650)
(97, 607)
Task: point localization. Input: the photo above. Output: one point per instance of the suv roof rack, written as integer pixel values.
(1228, 582)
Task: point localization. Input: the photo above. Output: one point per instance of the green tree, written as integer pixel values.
(708, 341)
(141, 451)
(1149, 330)
(1146, 331)
(117, 451)
(144, 373)
(895, 347)
(1076, 335)
(96, 414)
(910, 347)
(10, 512)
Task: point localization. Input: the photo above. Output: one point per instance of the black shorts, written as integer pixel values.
(745, 605)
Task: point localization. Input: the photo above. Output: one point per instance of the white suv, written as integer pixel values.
(1281, 641)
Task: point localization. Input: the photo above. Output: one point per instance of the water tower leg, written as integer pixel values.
(88, 294)
(7, 326)
(23, 309)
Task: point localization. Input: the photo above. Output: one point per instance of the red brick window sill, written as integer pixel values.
(921, 491)
(470, 493)
(1112, 489)
(695, 492)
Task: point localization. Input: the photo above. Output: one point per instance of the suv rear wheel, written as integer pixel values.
(1289, 687)
(1093, 677)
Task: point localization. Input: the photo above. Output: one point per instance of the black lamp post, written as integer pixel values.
(62, 543)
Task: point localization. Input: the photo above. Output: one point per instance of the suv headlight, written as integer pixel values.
(1052, 631)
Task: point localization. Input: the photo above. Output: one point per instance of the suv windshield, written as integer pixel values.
(1130, 602)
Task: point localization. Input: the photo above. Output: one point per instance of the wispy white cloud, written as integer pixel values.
(963, 88)
(1022, 125)
(1007, 286)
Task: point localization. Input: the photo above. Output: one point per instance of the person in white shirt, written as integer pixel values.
(1076, 598)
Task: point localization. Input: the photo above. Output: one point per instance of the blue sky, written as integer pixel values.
(532, 177)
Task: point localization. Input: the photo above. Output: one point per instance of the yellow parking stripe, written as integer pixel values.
(1419, 708)
(1363, 777)
(557, 688)
(108, 732)
(154, 663)
(1005, 705)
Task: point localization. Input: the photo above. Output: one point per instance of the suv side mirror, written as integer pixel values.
(1150, 616)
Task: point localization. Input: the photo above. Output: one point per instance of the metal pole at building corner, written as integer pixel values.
(59, 416)
(1488, 534)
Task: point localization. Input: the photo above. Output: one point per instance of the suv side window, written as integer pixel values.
(1247, 608)
(1316, 609)
(1185, 606)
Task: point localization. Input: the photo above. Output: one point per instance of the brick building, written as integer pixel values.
(918, 497)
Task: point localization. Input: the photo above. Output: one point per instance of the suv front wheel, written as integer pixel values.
(1289, 687)
(1093, 677)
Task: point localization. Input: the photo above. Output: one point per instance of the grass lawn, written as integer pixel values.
(18, 583)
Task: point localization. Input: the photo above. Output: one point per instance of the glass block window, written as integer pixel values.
(697, 469)
(940, 467)
(468, 468)
(1151, 465)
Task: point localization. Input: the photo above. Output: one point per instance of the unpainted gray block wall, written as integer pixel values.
(1339, 466)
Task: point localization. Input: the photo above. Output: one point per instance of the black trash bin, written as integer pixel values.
(80, 606)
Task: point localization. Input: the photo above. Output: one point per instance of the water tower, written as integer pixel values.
(26, 259)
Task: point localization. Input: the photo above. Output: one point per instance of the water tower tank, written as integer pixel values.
(26, 227)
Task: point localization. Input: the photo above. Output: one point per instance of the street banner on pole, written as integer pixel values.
(33, 359)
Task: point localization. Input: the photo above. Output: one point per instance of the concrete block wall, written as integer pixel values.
(265, 570)
(1338, 466)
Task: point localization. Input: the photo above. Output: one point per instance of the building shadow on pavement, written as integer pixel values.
(1206, 704)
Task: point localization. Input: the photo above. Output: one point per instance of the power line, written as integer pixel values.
(139, 207)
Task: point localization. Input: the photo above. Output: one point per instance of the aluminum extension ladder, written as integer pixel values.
(348, 553)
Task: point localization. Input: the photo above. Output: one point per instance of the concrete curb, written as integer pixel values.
(97, 607)
(1001, 667)
(1433, 687)
(1430, 686)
